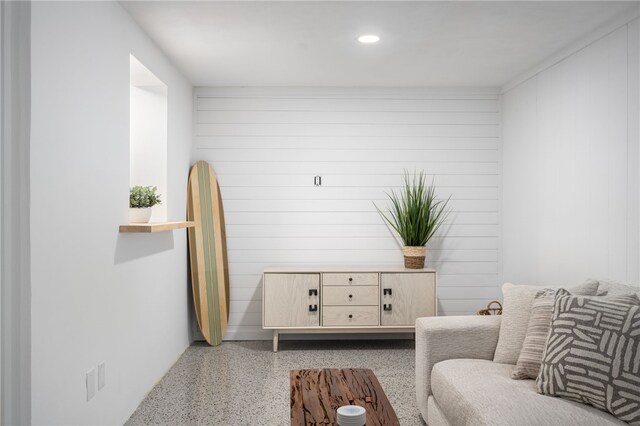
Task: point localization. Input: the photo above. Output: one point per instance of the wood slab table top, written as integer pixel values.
(316, 395)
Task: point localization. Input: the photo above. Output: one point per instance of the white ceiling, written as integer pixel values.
(313, 43)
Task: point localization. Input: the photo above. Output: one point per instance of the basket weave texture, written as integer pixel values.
(414, 257)
(414, 262)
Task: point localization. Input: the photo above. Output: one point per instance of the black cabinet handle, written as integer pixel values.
(350, 316)
(313, 292)
(386, 307)
(313, 308)
(386, 291)
(350, 296)
(350, 279)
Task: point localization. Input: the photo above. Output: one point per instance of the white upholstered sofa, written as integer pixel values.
(458, 384)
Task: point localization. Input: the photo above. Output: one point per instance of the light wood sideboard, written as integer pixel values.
(346, 300)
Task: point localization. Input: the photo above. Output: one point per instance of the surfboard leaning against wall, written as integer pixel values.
(208, 253)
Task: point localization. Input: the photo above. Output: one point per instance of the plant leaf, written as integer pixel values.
(415, 213)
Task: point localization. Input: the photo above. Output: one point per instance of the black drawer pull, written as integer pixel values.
(386, 307)
(313, 308)
(313, 292)
(386, 291)
(350, 279)
(350, 296)
(350, 316)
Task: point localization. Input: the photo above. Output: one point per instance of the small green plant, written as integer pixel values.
(141, 197)
(415, 213)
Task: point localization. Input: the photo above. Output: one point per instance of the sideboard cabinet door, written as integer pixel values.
(291, 300)
(405, 297)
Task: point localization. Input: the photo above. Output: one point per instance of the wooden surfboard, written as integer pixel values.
(208, 253)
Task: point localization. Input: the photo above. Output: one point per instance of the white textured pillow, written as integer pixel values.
(615, 288)
(516, 310)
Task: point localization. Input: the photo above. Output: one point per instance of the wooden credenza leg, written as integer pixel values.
(275, 340)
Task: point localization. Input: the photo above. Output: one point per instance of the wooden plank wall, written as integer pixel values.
(268, 144)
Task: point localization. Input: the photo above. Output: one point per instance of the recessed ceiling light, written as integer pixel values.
(368, 38)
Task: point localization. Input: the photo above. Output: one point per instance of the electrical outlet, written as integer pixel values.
(101, 376)
(91, 384)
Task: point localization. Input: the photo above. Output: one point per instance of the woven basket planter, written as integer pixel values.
(414, 257)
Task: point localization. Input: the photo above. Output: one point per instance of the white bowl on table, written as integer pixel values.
(351, 415)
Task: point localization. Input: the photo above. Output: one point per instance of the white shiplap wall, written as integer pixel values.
(267, 145)
(570, 156)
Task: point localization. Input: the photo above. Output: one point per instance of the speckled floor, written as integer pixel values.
(244, 383)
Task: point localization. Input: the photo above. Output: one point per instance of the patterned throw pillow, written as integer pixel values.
(592, 354)
(528, 365)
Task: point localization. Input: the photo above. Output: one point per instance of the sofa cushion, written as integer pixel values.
(516, 310)
(480, 392)
(435, 416)
(593, 354)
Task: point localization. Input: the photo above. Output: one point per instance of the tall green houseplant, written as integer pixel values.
(415, 214)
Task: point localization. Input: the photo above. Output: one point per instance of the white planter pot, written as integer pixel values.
(137, 215)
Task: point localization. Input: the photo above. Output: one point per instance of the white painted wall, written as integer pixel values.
(15, 299)
(266, 146)
(148, 143)
(98, 295)
(570, 167)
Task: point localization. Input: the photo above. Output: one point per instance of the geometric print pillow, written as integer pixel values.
(592, 354)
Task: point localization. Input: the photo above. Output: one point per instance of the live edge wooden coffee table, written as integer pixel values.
(316, 395)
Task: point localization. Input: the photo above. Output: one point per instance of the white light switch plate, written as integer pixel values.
(91, 384)
(101, 378)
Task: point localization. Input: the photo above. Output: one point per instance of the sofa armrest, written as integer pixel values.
(442, 338)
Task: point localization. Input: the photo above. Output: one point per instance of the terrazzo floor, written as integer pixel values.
(245, 383)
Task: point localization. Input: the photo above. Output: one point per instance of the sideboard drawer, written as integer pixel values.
(350, 295)
(350, 315)
(349, 279)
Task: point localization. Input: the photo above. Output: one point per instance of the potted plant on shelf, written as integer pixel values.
(416, 215)
(141, 199)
